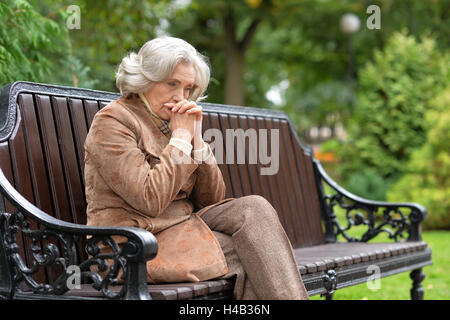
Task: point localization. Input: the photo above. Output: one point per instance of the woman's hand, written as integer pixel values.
(192, 109)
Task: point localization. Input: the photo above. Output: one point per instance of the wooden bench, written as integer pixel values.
(42, 211)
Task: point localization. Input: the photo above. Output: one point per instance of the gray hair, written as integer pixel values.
(156, 61)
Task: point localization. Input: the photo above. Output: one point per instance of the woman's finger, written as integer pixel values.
(169, 105)
(196, 109)
(179, 105)
(187, 106)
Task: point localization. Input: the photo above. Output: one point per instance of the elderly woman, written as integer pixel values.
(147, 166)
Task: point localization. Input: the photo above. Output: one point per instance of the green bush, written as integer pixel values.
(394, 94)
(35, 47)
(28, 41)
(428, 178)
(368, 184)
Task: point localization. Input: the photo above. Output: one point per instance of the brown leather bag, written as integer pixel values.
(181, 259)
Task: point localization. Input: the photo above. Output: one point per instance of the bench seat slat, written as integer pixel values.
(170, 291)
(341, 254)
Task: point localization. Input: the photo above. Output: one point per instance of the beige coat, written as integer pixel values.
(132, 180)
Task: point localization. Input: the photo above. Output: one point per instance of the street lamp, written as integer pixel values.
(350, 24)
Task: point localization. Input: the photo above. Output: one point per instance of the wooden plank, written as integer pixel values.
(79, 127)
(303, 216)
(72, 171)
(102, 104)
(241, 154)
(281, 182)
(315, 217)
(309, 192)
(268, 181)
(53, 159)
(262, 181)
(183, 291)
(229, 161)
(346, 254)
(252, 169)
(5, 164)
(36, 157)
(91, 107)
(293, 188)
(22, 183)
(212, 121)
(57, 181)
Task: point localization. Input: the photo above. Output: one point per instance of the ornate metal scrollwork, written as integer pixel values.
(61, 252)
(398, 220)
(394, 221)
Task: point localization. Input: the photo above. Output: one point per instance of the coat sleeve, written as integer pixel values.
(113, 146)
(209, 186)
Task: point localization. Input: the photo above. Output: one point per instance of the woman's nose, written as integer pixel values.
(178, 96)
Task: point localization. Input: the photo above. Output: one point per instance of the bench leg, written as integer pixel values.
(417, 291)
(328, 296)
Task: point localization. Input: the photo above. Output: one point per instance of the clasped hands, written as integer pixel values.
(186, 122)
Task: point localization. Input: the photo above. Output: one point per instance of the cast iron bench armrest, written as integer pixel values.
(128, 260)
(394, 221)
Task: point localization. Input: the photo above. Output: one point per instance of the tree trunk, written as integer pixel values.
(235, 60)
(234, 76)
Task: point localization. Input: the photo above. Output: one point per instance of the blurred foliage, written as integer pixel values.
(427, 177)
(289, 47)
(296, 48)
(387, 125)
(109, 30)
(28, 41)
(293, 48)
(35, 47)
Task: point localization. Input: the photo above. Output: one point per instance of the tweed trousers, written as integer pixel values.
(257, 250)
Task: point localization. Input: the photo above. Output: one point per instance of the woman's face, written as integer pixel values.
(177, 87)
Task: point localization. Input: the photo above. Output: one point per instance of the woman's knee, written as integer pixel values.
(257, 207)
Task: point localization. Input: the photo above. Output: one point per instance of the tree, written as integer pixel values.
(233, 25)
(427, 178)
(252, 43)
(37, 47)
(395, 92)
(29, 42)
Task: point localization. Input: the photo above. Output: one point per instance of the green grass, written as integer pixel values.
(397, 287)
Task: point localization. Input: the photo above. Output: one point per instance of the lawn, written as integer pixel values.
(397, 287)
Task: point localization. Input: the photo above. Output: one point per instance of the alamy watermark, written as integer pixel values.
(374, 20)
(74, 280)
(374, 280)
(74, 19)
(241, 147)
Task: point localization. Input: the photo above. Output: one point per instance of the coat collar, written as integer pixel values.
(138, 108)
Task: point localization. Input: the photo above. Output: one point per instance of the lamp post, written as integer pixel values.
(350, 24)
